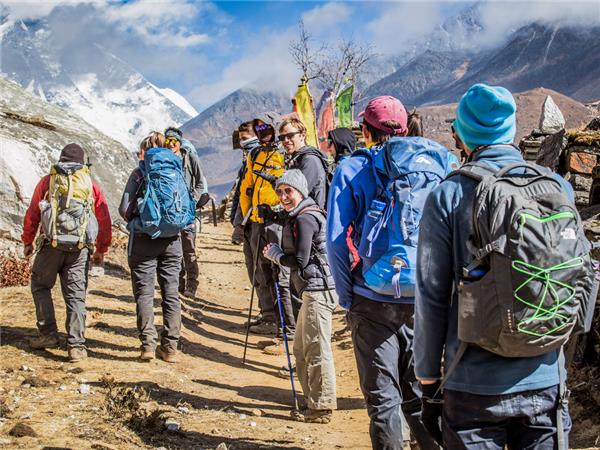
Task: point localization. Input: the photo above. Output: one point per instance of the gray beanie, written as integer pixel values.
(295, 179)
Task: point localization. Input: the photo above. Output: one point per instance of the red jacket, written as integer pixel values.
(32, 216)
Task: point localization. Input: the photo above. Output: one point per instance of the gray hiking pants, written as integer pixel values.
(312, 349)
(188, 276)
(382, 336)
(72, 267)
(151, 257)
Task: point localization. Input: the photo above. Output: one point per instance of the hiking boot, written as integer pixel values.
(77, 354)
(167, 355)
(256, 321)
(285, 373)
(318, 416)
(44, 341)
(275, 349)
(265, 328)
(147, 354)
(190, 293)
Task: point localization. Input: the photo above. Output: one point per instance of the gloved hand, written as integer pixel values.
(98, 259)
(27, 250)
(273, 253)
(431, 410)
(237, 237)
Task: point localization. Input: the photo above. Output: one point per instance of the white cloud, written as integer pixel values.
(35, 9)
(266, 64)
(159, 23)
(499, 18)
(323, 18)
(401, 24)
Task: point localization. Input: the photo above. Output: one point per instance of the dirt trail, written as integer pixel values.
(213, 398)
(222, 396)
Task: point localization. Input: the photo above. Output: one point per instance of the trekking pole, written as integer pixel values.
(285, 342)
(251, 298)
(214, 210)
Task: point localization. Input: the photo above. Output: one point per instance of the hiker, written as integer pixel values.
(341, 143)
(257, 195)
(74, 216)
(375, 203)
(249, 144)
(155, 242)
(303, 251)
(494, 395)
(309, 160)
(188, 276)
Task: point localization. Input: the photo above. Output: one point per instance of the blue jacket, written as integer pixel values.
(442, 253)
(352, 190)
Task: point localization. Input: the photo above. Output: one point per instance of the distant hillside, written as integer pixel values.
(529, 107)
(211, 131)
(564, 59)
(32, 134)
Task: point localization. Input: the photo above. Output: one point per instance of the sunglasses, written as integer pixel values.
(173, 141)
(283, 137)
(287, 191)
(261, 127)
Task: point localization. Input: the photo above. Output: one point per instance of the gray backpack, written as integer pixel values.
(531, 283)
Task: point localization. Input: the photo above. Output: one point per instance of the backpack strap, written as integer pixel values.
(474, 171)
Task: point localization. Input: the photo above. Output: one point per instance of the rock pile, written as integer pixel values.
(551, 121)
(575, 154)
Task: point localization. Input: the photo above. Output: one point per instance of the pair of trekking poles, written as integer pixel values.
(281, 320)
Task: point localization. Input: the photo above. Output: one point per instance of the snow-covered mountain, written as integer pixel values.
(95, 84)
(32, 134)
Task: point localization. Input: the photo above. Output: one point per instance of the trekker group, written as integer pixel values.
(448, 273)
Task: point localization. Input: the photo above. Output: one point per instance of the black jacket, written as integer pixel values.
(312, 163)
(303, 243)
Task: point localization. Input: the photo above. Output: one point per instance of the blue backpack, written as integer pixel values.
(166, 207)
(406, 170)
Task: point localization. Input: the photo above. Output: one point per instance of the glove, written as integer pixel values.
(266, 176)
(98, 259)
(237, 237)
(273, 253)
(431, 410)
(27, 250)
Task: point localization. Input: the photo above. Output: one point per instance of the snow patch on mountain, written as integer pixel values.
(178, 99)
(106, 91)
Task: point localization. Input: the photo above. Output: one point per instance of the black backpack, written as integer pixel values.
(531, 283)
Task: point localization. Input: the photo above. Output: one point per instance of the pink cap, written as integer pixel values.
(384, 108)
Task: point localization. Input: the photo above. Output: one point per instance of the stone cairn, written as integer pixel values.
(575, 154)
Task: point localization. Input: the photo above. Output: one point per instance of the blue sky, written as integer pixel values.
(205, 50)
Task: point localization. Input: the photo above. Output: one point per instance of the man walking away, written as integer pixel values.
(494, 298)
(375, 202)
(155, 242)
(73, 215)
(192, 171)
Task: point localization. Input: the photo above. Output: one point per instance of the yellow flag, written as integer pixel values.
(303, 105)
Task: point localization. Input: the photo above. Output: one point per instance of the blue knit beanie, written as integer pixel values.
(485, 116)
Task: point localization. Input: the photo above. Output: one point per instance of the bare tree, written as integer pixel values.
(344, 63)
(306, 58)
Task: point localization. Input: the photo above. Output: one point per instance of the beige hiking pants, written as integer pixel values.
(312, 349)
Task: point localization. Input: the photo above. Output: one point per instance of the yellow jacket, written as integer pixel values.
(255, 190)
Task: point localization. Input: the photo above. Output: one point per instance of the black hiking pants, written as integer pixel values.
(149, 258)
(72, 268)
(255, 239)
(188, 276)
(382, 336)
